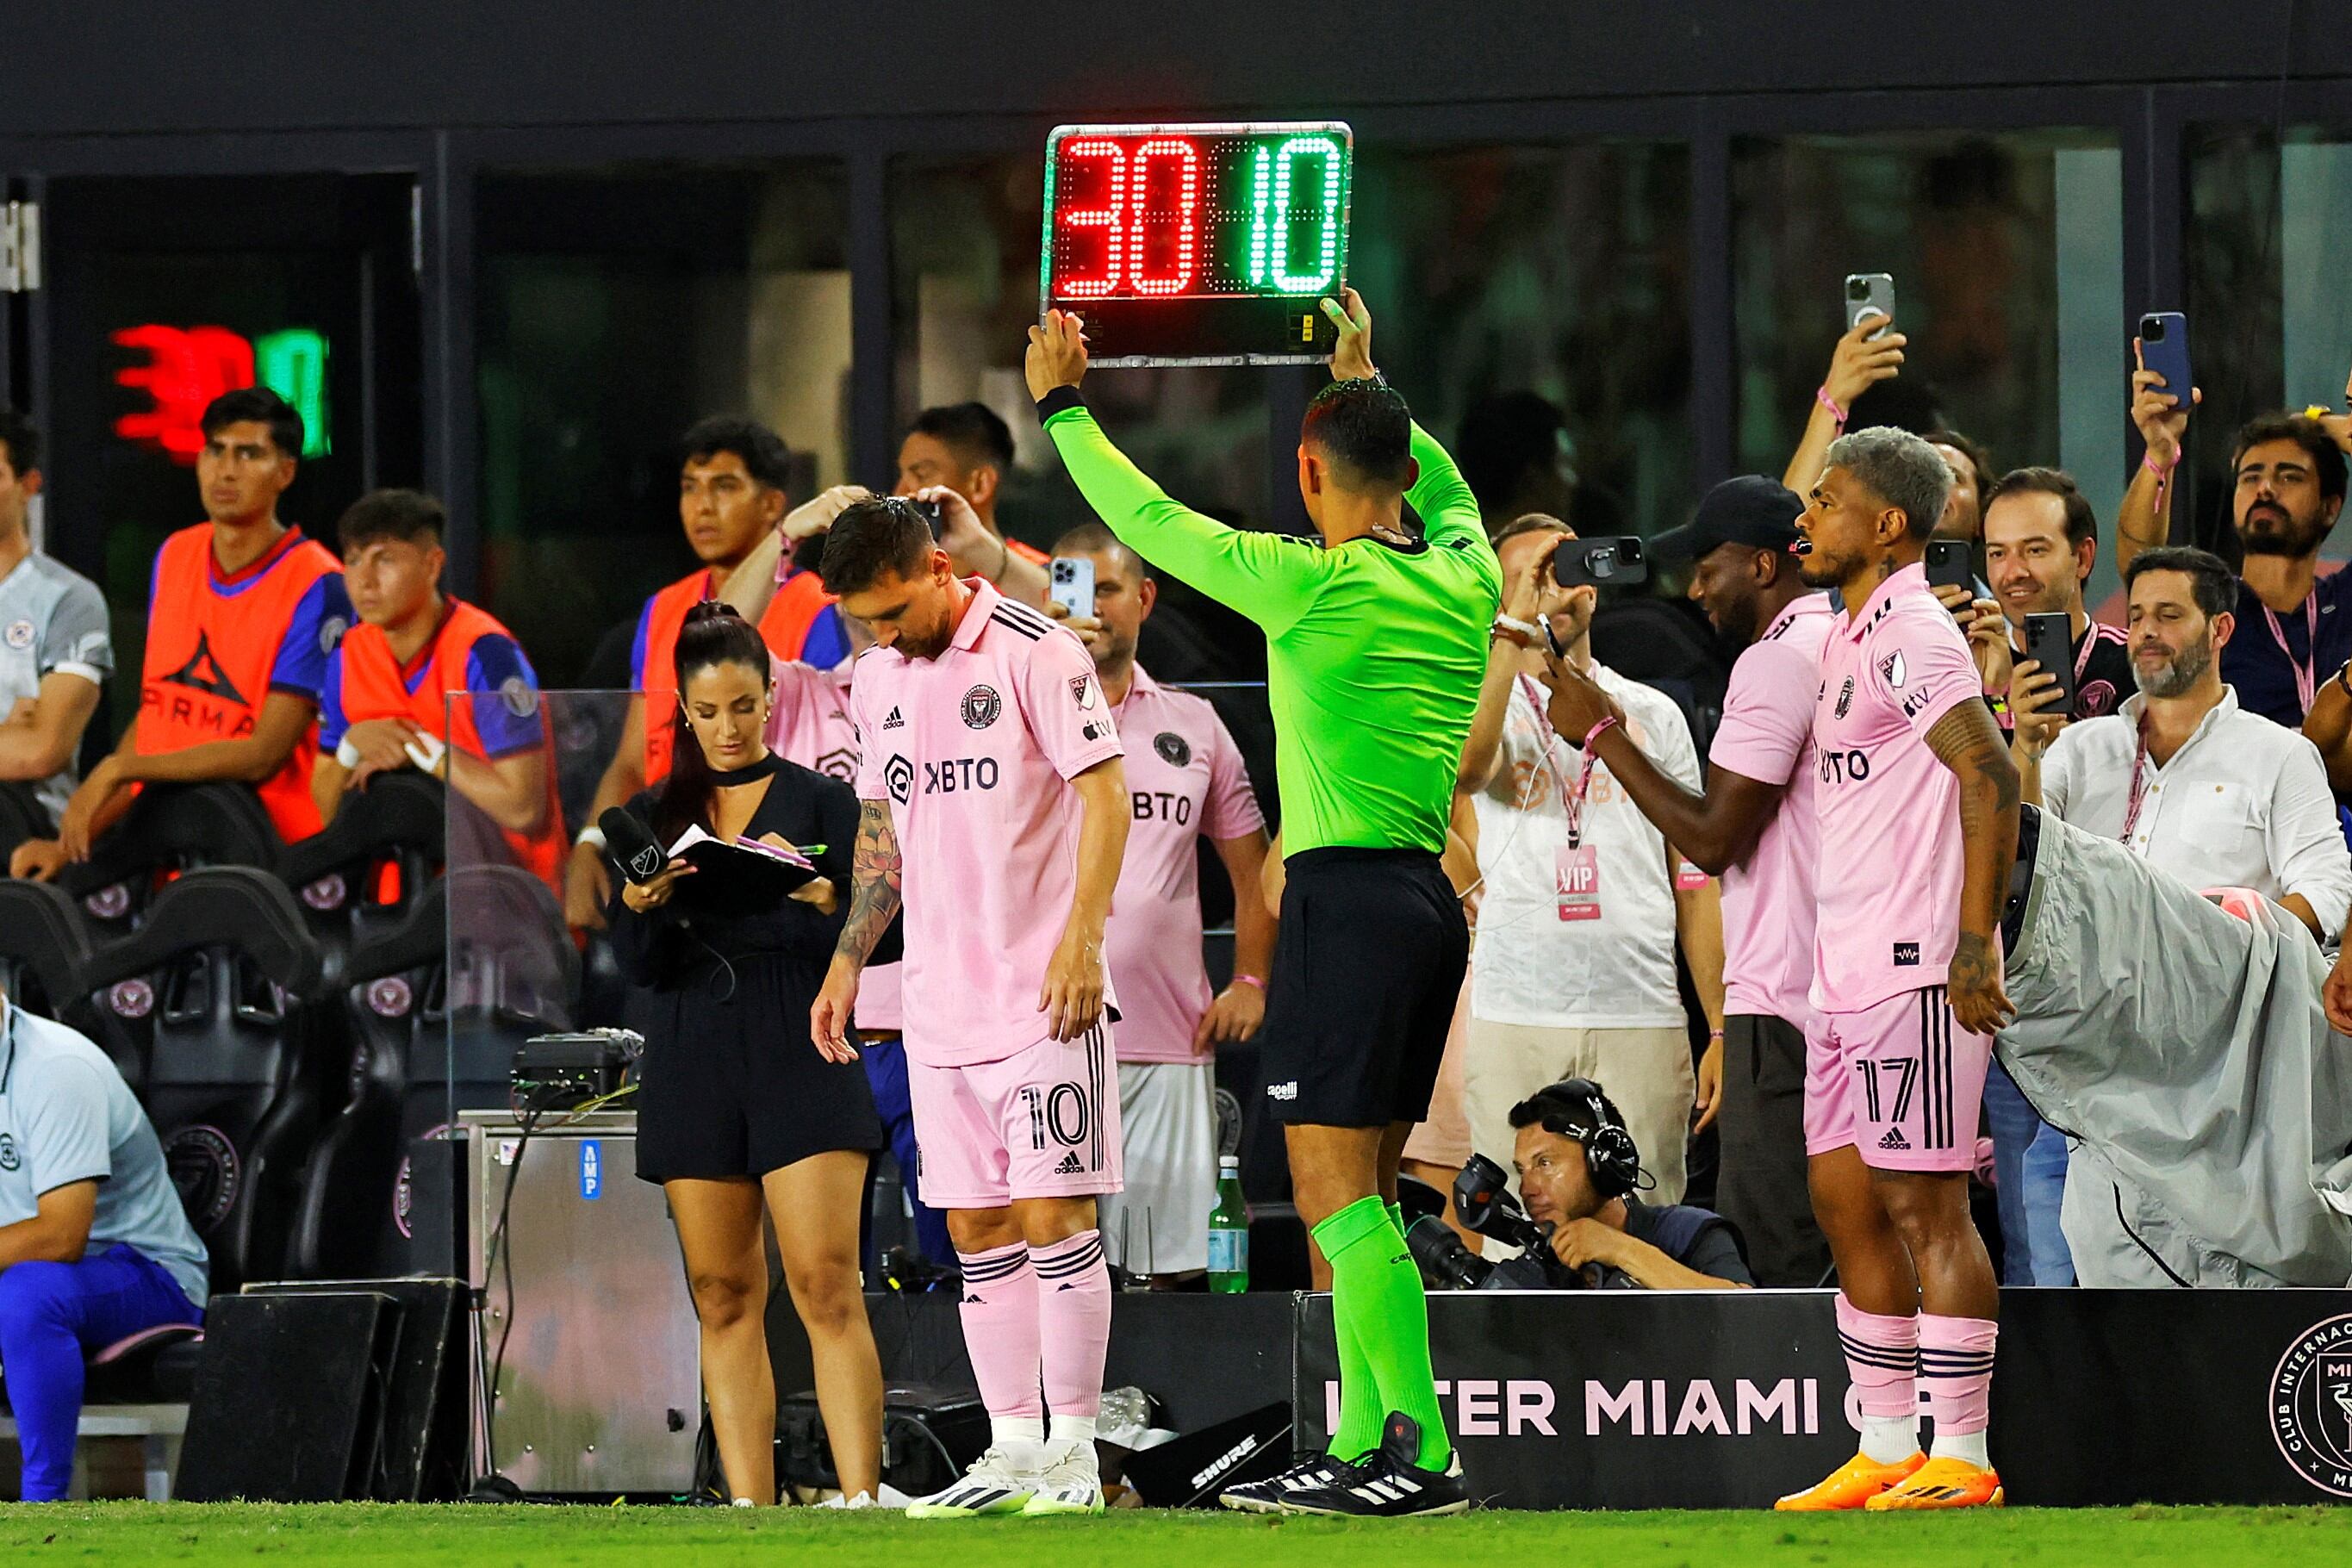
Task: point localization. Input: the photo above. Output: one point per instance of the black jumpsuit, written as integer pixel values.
(730, 1086)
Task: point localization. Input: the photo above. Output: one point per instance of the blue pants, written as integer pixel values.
(886, 1069)
(53, 1316)
(2030, 1158)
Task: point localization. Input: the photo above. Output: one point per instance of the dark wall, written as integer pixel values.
(104, 69)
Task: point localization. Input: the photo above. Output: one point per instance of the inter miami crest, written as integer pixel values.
(203, 672)
(1845, 696)
(1173, 749)
(981, 707)
(2309, 1407)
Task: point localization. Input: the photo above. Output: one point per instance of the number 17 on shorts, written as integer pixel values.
(1042, 1124)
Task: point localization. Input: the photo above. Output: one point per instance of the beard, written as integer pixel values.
(2175, 675)
(1820, 569)
(1735, 622)
(2270, 530)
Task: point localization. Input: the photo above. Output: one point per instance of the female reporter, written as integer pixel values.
(733, 1102)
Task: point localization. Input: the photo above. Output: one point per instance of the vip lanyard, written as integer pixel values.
(2306, 669)
(2139, 770)
(1570, 801)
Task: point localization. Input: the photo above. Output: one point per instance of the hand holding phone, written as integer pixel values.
(1949, 564)
(1869, 293)
(1073, 585)
(2049, 643)
(1599, 563)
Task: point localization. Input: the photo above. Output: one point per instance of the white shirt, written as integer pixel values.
(2245, 803)
(1530, 966)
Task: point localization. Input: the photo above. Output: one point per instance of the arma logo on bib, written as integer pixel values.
(2311, 1405)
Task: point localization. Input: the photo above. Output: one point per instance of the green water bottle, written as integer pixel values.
(1229, 1230)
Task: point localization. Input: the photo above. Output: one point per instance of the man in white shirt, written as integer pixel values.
(2183, 775)
(1573, 971)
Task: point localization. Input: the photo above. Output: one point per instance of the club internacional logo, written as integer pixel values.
(2311, 1405)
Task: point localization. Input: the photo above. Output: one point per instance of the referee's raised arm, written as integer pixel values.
(1266, 576)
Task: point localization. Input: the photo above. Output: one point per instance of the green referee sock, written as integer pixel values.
(1377, 1301)
(1361, 1415)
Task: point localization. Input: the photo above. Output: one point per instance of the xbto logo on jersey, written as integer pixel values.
(958, 773)
(981, 707)
(1842, 767)
(1173, 749)
(1165, 805)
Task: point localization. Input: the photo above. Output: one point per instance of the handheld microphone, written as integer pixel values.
(632, 845)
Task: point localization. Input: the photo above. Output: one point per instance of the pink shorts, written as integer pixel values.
(1042, 1124)
(1900, 1082)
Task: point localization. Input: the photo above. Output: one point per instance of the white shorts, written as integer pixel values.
(1042, 1124)
(1159, 1224)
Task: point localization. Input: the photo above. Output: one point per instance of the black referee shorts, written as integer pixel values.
(1367, 971)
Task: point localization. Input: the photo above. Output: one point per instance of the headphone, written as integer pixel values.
(1575, 1108)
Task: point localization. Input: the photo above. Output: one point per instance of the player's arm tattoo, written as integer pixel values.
(1967, 741)
(876, 881)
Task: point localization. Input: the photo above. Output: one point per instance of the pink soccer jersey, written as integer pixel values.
(1890, 824)
(1185, 775)
(1766, 734)
(809, 724)
(972, 750)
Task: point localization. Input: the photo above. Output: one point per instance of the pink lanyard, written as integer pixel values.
(2306, 672)
(2139, 768)
(1570, 801)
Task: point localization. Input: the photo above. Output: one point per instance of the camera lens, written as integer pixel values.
(1857, 288)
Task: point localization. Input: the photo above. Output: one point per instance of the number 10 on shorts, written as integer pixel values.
(1576, 879)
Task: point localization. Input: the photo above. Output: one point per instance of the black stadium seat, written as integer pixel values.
(352, 1222)
(392, 835)
(171, 828)
(242, 1058)
(45, 955)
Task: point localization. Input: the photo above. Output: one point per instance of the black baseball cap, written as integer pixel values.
(1751, 510)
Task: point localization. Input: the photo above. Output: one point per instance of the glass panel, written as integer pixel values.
(165, 293)
(1497, 272)
(614, 309)
(2007, 254)
(2270, 322)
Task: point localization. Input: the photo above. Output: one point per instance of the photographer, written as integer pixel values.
(1577, 1168)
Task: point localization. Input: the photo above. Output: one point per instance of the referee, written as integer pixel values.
(1376, 644)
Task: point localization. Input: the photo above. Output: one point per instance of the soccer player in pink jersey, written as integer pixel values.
(994, 807)
(1918, 830)
(1754, 827)
(1185, 774)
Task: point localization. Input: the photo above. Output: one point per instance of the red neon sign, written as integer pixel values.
(186, 368)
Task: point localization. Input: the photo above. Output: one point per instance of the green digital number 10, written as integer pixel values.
(1270, 258)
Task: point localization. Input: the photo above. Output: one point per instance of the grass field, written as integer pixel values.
(532, 1537)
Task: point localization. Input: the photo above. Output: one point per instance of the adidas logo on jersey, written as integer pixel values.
(894, 721)
(1895, 1140)
(1069, 1166)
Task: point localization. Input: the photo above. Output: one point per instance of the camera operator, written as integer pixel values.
(1577, 1168)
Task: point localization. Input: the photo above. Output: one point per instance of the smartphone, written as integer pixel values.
(1948, 565)
(1073, 583)
(931, 514)
(2164, 349)
(2049, 643)
(1866, 292)
(1599, 563)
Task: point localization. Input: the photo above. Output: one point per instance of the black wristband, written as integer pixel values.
(1056, 401)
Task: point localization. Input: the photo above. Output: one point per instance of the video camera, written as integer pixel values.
(1482, 1202)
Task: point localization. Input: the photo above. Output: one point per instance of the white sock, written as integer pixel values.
(744, 1502)
(1891, 1439)
(1968, 1446)
(1074, 1430)
(1017, 1434)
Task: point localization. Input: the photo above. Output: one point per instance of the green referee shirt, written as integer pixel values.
(1374, 654)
